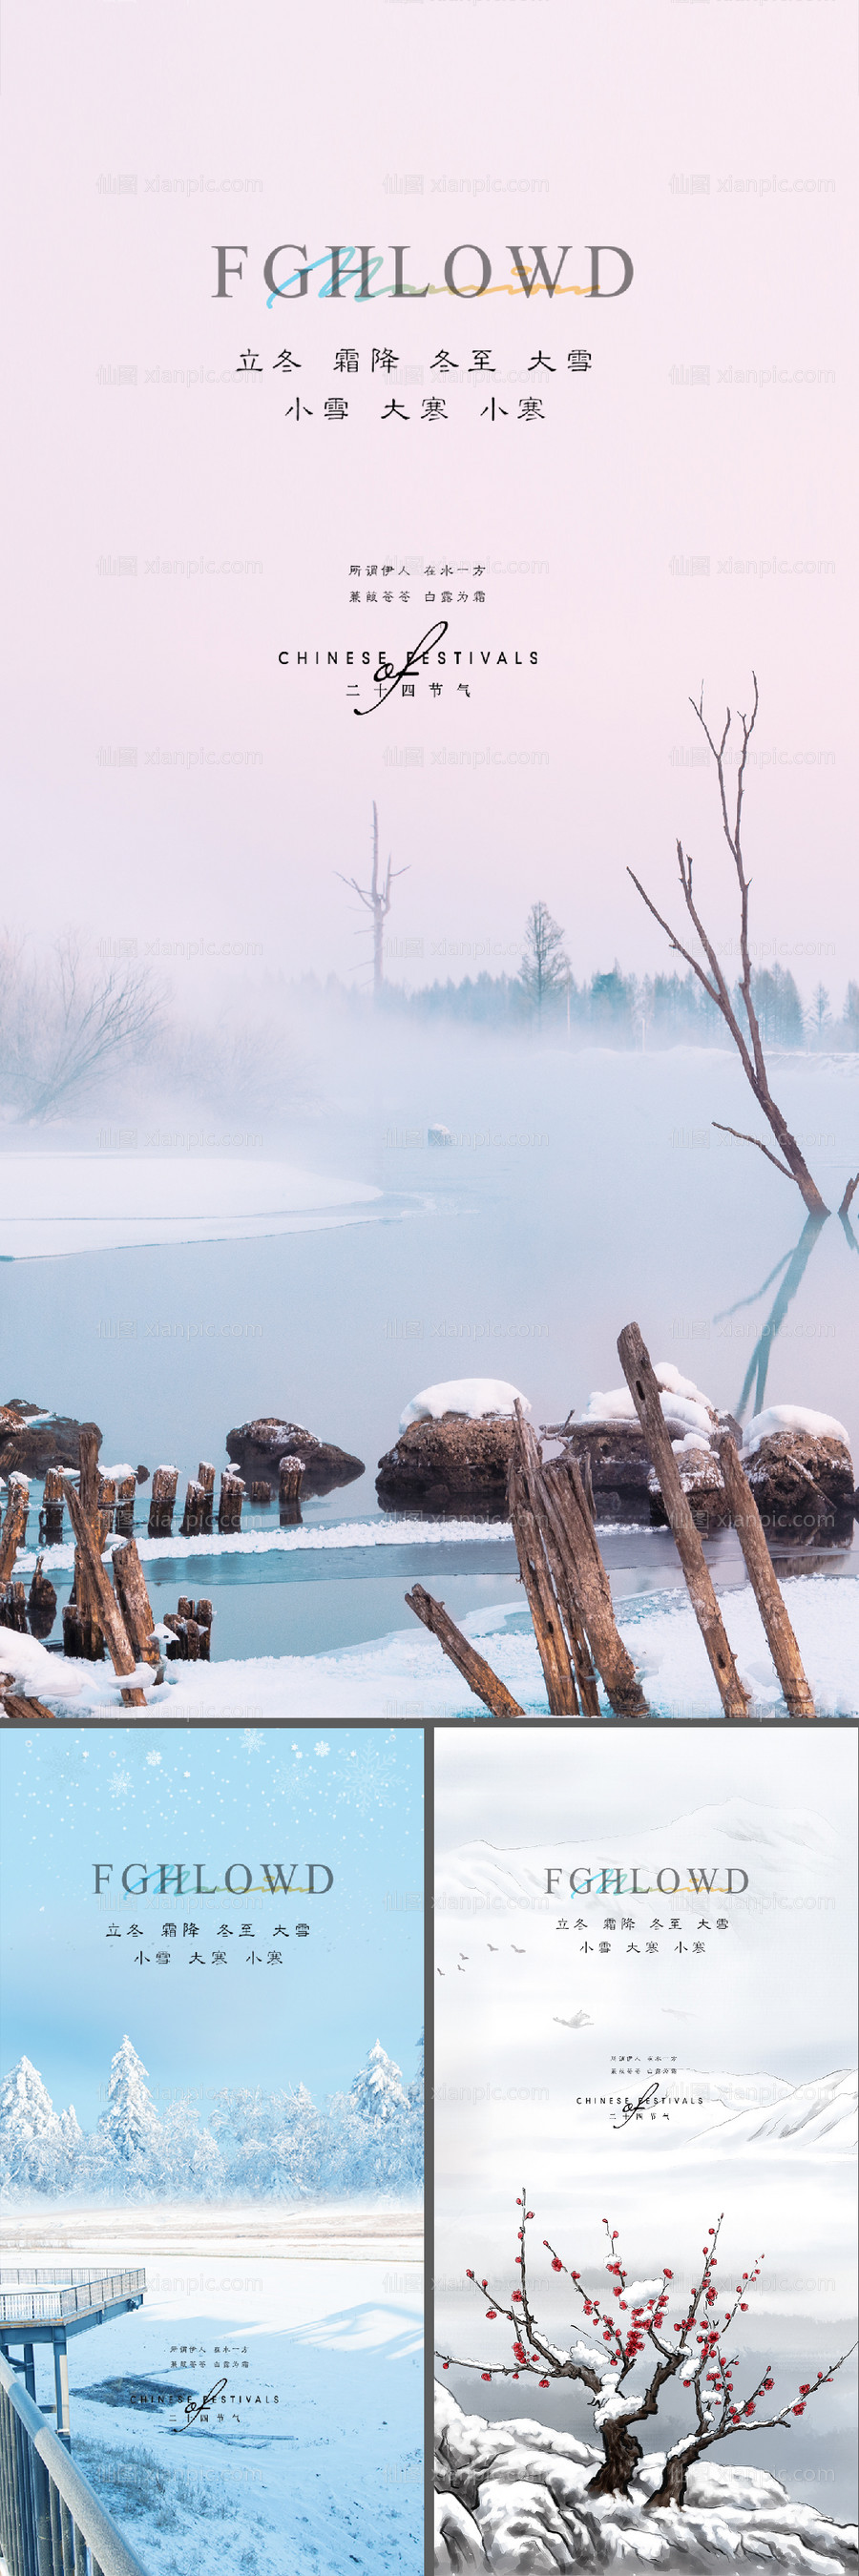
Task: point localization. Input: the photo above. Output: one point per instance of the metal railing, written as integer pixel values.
(64, 2297)
(51, 2522)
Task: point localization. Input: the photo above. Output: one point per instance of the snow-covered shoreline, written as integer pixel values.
(404, 1675)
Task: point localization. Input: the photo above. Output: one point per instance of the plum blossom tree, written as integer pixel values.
(720, 2411)
(622, 2393)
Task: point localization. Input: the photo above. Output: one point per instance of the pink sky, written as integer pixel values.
(585, 114)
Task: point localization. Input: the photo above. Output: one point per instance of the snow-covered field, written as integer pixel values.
(405, 1675)
(311, 2457)
(59, 1203)
(512, 2499)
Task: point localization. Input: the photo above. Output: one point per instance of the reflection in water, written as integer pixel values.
(844, 1220)
(792, 1265)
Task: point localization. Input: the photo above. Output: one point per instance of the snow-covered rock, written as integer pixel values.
(791, 1417)
(513, 2498)
(800, 1469)
(477, 1399)
(453, 1449)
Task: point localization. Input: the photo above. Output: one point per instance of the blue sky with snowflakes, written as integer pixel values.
(76, 1975)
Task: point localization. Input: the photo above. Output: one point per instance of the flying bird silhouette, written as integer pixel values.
(439, 1972)
(460, 1971)
(463, 1954)
(579, 2021)
(492, 1945)
(519, 1953)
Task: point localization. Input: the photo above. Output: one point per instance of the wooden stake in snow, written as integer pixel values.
(479, 1675)
(560, 1512)
(86, 1633)
(196, 1499)
(763, 1579)
(134, 1602)
(101, 1591)
(14, 1525)
(206, 1477)
(638, 1371)
(548, 1624)
(124, 1516)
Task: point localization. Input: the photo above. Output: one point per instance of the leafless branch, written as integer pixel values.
(743, 1139)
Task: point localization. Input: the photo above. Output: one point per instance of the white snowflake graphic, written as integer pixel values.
(371, 1784)
(153, 1759)
(120, 1783)
(322, 1749)
(253, 1738)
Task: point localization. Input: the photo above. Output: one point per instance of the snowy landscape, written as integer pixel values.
(646, 2130)
(427, 1269)
(312, 2320)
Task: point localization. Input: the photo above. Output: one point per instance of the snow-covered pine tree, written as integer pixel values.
(31, 2135)
(191, 2159)
(377, 2093)
(130, 2134)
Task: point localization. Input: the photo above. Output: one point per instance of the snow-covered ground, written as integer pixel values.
(405, 1675)
(311, 2457)
(522, 2507)
(59, 1203)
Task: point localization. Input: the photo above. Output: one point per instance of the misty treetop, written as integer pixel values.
(252, 2145)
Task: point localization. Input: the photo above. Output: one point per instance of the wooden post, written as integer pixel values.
(122, 1655)
(41, 1603)
(638, 1372)
(559, 1503)
(289, 1475)
(548, 1625)
(84, 1597)
(479, 1675)
(203, 1616)
(764, 1581)
(192, 1517)
(106, 1506)
(134, 1602)
(51, 1514)
(232, 1498)
(206, 1477)
(164, 1483)
(13, 1608)
(14, 1525)
(260, 1491)
(124, 1517)
(12, 1703)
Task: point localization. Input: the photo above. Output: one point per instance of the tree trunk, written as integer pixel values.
(638, 1372)
(762, 1576)
(793, 1157)
(479, 1675)
(673, 2487)
(622, 2454)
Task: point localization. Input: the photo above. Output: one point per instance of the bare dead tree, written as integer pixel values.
(62, 1032)
(377, 899)
(790, 1160)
